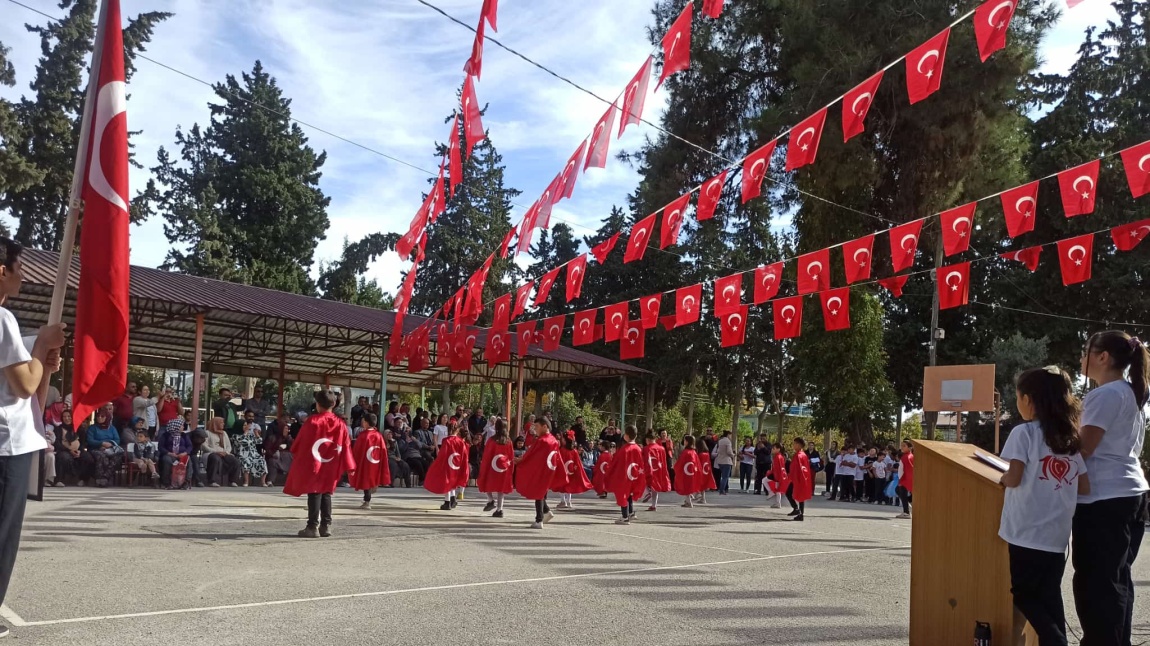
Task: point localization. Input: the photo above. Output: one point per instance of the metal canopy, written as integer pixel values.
(256, 332)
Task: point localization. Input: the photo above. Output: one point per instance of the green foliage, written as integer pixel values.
(343, 280)
(745, 429)
(564, 410)
(1010, 357)
(671, 420)
(150, 377)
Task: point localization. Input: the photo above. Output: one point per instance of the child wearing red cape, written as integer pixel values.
(658, 478)
(687, 472)
(370, 452)
(706, 481)
(449, 473)
(577, 481)
(540, 470)
(496, 470)
(321, 454)
(802, 480)
(626, 477)
(599, 479)
(780, 482)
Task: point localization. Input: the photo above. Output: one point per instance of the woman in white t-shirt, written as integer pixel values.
(1046, 475)
(440, 431)
(1108, 524)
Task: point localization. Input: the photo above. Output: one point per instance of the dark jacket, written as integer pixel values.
(164, 439)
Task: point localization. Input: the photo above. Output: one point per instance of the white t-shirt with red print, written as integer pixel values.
(1038, 512)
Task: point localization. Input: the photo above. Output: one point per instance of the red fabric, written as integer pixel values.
(121, 408)
(924, 67)
(768, 278)
(583, 329)
(525, 334)
(803, 147)
(788, 314)
(954, 286)
(957, 225)
(540, 469)
(553, 332)
(571, 172)
(755, 169)
(455, 160)
(625, 474)
(1136, 162)
(601, 140)
(1079, 187)
(856, 258)
(856, 105)
(1126, 237)
(599, 480)
(814, 271)
(1028, 257)
(545, 284)
(576, 269)
(904, 244)
(372, 468)
(472, 121)
(501, 317)
(168, 411)
(780, 478)
(462, 351)
(527, 227)
(649, 310)
(677, 45)
(687, 304)
(836, 308)
(733, 327)
(1075, 256)
(497, 469)
(709, 194)
(687, 472)
(658, 478)
(614, 321)
(522, 295)
(450, 469)
(498, 348)
(713, 8)
(673, 221)
(991, 19)
(321, 454)
(802, 478)
(906, 472)
(474, 64)
(1019, 206)
(639, 238)
(706, 481)
(894, 285)
(577, 481)
(604, 249)
(728, 294)
(100, 367)
(635, 96)
(633, 345)
(490, 13)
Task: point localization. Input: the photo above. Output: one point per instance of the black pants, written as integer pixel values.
(797, 506)
(760, 473)
(629, 510)
(15, 470)
(418, 468)
(223, 466)
(318, 509)
(1106, 538)
(1036, 584)
(540, 509)
(905, 498)
(846, 485)
(831, 485)
(746, 472)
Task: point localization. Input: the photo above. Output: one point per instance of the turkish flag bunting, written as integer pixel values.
(472, 121)
(576, 269)
(804, 146)
(455, 165)
(570, 172)
(402, 299)
(600, 140)
(502, 313)
(462, 350)
(436, 201)
(1079, 187)
(815, 271)
(553, 332)
(525, 334)
(550, 196)
(522, 295)
(733, 327)
(673, 221)
(713, 8)
(709, 194)
(677, 45)
(597, 333)
(490, 13)
(1136, 161)
(1129, 236)
(924, 67)
(406, 244)
(498, 348)
(604, 249)
(614, 320)
(991, 19)
(687, 304)
(1075, 256)
(755, 169)
(527, 227)
(788, 314)
(474, 65)
(640, 236)
(418, 357)
(649, 310)
(669, 322)
(836, 308)
(768, 279)
(904, 244)
(545, 283)
(635, 96)
(728, 294)
(1028, 257)
(1019, 206)
(419, 248)
(894, 285)
(633, 344)
(507, 241)
(953, 285)
(396, 350)
(583, 330)
(856, 105)
(957, 225)
(856, 258)
(444, 341)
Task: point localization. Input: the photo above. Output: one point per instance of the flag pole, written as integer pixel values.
(68, 243)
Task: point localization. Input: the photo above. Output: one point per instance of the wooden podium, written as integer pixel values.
(959, 567)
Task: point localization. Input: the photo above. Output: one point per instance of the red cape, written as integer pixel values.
(599, 480)
(658, 478)
(540, 469)
(372, 469)
(625, 473)
(450, 469)
(495, 471)
(321, 453)
(906, 472)
(707, 482)
(801, 477)
(577, 481)
(780, 480)
(687, 473)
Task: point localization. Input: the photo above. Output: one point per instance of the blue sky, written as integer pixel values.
(384, 73)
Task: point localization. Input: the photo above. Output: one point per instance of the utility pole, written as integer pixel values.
(936, 334)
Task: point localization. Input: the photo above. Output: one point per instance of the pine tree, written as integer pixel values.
(16, 173)
(552, 250)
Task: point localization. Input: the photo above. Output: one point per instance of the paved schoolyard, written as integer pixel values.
(222, 566)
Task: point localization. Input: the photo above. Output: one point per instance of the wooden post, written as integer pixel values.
(514, 432)
(383, 379)
(520, 418)
(196, 367)
(283, 368)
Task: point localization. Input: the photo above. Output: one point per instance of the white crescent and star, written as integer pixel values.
(727, 292)
(913, 241)
(757, 169)
(769, 277)
(855, 105)
(1142, 163)
(717, 184)
(813, 264)
(833, 304)
(653, 305)
(992, 19)
(631, 476)
(320, 442)
(1070, 254)
(550, 462)
(652, 463)
(930, 54)
(1089, 180)
(554, 331)
(614, 317)
(689, 469)
(603, 468)
(862, 251)
(734, 321)
(688, 303)
(451, 461)
(110, 104)
(569, 467)
(954, 226)
(790, 316)
(632, 338)
(954, 286)
(370, 459)
(496, 461)
(805, 146)
(584, 324)
(1024, 200)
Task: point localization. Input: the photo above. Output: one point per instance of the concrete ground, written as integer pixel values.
(223, 566)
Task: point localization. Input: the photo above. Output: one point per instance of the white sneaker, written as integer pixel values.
(215, 484)
(622, 521)
(366, 505)
(903, 516)
(548, 516)
(536, 526)
(59, 484)
(776, 506)
(562, 505)
(687, 503)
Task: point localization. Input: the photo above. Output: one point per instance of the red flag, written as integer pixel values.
(507, 241)
(472, 121)
(1018, 206)
(614, 320)
(402, 299)
(525, 334)
(571, 171)
(677, 45)
(583, 330)
(1079, 187)
(498, 348)
(649, 310)
(768, 278)
(957, 225)
(856, 258)
(603, 249)
(904, 244)
(474, 65)
(396, 349)
(633, 344)
(804, 146)
(788, 314)
(894, 285)
(553, 332)
(728, 294)
(527, 227)
(733, 327)
(1136, 161)
(522, 295)
(1075, 256)
(713, 8)
(550, 196)
(635, 96)
(709, 194)
(1129, 236)
(502, 313)
(954, 286)
(418, 358)
(455, 165)
(640, 236)
(687, 304)
(1028, 257)
(673, 221)
(924, 67)
(406, 244)
(444, 343)
(814, 271)
(462, 351)
(755, 169)
(545, 283)
(600, 140)
(490, 13)
(991, 19)
(436, 201)
(836, 308)
(856, 105)
(575, 272)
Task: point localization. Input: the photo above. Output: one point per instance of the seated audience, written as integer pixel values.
(249, 447)
(277, 449)
(174, 446)
(143, 454)
(104, 445)
(222, 466)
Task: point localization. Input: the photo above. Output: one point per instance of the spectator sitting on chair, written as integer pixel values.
(143, 454)
(104, 445)
(250, 445)
(277, 448)
(73, 464)
(400, 471)
(221, 462)
(412, 453)
(175, 445)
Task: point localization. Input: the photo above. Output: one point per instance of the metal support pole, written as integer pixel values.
(623, 401)
(282, 405)
(514, 432)
(691, 400)
(196, 367)
(383, 378)
(932, 418)
(520, 418)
